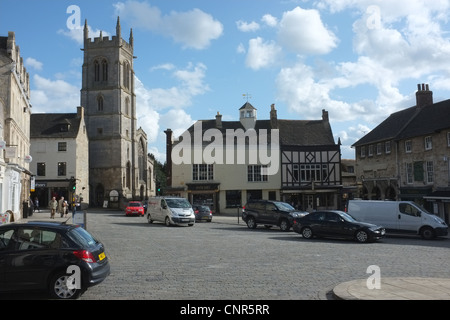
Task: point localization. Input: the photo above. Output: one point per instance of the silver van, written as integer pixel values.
(398, 217)
(171, 211)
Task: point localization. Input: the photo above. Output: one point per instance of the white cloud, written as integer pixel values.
(269, 20)
(33, 63)
(247, 26)
(262, 54)
(54, 96)
(303, 32)
(193, 29)
(77, 34)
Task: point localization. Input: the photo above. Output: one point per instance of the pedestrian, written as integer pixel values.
(36, 204)
(53, 207)
(62, 207)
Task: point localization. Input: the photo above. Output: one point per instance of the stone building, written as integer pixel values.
(406, 157)
(60, 147)
(118, 158)
(15, 111)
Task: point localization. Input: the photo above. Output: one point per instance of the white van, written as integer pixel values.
(171, 211)
(398, 217)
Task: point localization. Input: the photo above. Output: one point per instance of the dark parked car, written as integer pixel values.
(270, 213)
(202, 213)
(60, 258)
(336, 224)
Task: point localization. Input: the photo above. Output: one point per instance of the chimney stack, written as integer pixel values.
(168, 133)
(424, 96)
(218, 120)
(325, 115)
(273, 117)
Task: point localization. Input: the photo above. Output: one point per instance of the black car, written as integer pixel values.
(202, 213)
(336, 224)
(61, 258)
(270, 213)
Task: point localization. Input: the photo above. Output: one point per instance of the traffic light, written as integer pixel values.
(158, 188)
(72, 184)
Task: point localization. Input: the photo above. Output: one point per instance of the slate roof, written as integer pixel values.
(51, 125)
(291, 132)
(410, 122)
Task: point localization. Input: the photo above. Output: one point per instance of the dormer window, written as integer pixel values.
(64, 127)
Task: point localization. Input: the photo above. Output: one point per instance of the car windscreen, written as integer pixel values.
(178, 203)
(81, 237)
(284, 206)
(347, 217)
(134, 204)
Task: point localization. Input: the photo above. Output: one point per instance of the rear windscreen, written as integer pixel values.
(83, 238)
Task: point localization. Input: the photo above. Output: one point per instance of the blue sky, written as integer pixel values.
(359, 60)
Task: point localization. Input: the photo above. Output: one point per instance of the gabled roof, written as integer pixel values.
(54, 125)
(409, 123)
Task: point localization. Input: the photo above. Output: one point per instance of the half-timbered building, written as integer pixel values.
(295, 161)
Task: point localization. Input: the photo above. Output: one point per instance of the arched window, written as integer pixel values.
(99, 103)
(104, 70)
(128, 175)
(126, 75)
(127, 106)
(96, 71)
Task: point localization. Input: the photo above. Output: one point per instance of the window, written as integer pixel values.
(448, 139)
(408, 146)
(32, 239)
(41, 169)
(312, 172)
(62, 146)
(428, 143)
(409, 173)
(202, 172)
(61, 169)
(99, 103)
(408, 209)
(96, 71)
(370, 151)
(254, 173)
(387, 147)
(5, 238)
(99, 131)
(429, 166)
(363, 151)
(104, 70)
(378, 148)
(233, 198)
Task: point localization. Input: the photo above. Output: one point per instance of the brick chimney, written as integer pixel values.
(424, 96)
(273, 117)
(169, 133)
(325, 115)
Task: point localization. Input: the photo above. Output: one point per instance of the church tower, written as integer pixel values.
(107, 94)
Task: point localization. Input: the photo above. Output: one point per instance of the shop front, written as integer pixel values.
(204, 194)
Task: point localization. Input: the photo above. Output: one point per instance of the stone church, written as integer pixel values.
(119, 166)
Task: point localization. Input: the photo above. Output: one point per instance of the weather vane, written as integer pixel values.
(247, 96)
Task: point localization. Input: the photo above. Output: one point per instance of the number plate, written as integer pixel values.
(101, 256)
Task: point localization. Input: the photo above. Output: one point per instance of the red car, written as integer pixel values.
(134, 208)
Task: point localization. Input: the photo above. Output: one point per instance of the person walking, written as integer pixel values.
(62, 206)
(53, 207)
(36, 204)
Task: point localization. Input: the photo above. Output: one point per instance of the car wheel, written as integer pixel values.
(149, 218)
(284, 225)
(167, 221)
(307, 233)
(362, 236)
(427, 233)
(251, 223)
(59, 288)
